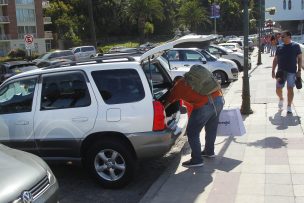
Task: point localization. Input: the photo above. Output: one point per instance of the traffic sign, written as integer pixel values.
(29, 41)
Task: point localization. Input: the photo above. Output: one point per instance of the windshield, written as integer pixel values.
(208, 56)
(44, 56)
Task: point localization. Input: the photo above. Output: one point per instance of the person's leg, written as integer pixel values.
(197, 121)
(211, 127)
(279, 91)
(291, 78)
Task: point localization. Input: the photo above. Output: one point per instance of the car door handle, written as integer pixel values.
(22, 122)
(80, 119)
(187, 65)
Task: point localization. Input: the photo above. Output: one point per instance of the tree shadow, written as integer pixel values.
(282, 122)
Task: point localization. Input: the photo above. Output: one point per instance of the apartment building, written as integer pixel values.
(21, 17)
(289, 14)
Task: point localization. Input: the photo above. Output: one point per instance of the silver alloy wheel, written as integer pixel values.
(220, 76)
(109, 164)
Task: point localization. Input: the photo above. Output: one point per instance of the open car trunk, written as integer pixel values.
(160, 84)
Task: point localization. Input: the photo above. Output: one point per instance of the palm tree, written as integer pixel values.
(193, 14)
(142, 11)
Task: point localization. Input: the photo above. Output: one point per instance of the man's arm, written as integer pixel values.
(274, 65)
(299, 57)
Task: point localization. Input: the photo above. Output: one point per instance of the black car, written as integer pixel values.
(8, 69)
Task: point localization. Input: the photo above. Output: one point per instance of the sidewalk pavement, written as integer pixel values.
(266, 165)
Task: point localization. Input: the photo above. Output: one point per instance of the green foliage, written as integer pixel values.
(192, 15)
(149, 28)
(17, 53)
(107, 47)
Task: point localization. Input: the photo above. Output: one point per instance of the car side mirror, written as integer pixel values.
(203, 60)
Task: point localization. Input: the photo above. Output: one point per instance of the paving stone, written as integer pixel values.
(279, 190)
(279, 199)
(298, 190)
(277, 169)
(249, 198)
(278, 178)
(297, 179)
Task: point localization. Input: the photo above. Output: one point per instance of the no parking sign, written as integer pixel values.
(29, 41)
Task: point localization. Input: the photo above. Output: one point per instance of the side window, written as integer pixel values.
(173, 55)
(192, 56)
(17, 97)
(64, 91)
(77, 50)
(157, 77)
(119, 86)
(213, 50)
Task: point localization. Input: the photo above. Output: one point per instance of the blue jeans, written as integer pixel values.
(207, 116)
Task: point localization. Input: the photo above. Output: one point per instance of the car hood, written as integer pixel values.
(19, 171)
(185, 41)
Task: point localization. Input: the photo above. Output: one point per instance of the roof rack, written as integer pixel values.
(101, 59)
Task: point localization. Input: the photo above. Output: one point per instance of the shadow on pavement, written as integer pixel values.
(282, 122)
(268, 142)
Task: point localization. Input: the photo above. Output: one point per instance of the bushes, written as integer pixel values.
(17, 53)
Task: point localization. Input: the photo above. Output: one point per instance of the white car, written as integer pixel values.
(108, 113)
(223, 52)
(233, 46)
(84, 52)
(181, 59)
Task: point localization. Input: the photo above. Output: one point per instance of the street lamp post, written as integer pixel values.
(260, 30)
(245, 108)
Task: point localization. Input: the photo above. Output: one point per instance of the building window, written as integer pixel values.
(284, 4)
(289, 4)
(22, 30)
(302, 4)
(24, 1)
(25, 15)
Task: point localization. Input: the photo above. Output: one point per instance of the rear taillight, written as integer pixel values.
(159, 121)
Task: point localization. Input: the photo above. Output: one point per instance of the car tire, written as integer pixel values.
(221, 76)
(114, 161)
(238, 65)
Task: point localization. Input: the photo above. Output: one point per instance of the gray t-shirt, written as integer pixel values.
(287, 57)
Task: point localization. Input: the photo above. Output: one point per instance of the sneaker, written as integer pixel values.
(207, 155)
(190, 164)
(289, 109)
(280, 105)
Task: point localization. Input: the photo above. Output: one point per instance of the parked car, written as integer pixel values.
(58, 54)
(84, 52)
(225, 53)
(181, 59)
(107, 113)
(26, 178)
(241, 43)
(47, 63)
(10, 68)
(233, 46)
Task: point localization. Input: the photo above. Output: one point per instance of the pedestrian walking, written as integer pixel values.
(205, 113)
(289, 60)
(273, 45)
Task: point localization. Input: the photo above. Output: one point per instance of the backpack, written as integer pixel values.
(201, 80)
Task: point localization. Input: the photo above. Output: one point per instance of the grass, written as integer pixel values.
(107, 47)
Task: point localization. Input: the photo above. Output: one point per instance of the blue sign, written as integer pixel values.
(215, 11)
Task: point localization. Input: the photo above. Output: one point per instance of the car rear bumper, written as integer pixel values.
(157, 143)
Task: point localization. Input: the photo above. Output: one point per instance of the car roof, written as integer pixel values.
(228, 43)
(79, 66)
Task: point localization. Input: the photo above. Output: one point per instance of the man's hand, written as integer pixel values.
(273, 74)
(299, 74)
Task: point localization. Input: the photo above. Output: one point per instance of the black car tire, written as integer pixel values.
(220, 75)
(124, 156)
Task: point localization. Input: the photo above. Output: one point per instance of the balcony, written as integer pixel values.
(3, 2)
(48, 35)
(4, 20)
(5, 37)
(47, 20)
(45, 4)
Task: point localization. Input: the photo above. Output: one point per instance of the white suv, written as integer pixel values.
(108, 113)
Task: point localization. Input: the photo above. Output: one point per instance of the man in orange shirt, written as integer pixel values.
(206, 110)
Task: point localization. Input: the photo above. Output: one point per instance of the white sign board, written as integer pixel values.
(29, 41)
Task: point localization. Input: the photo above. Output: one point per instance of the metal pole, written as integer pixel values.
(245, 109)
(260, 30)
(92, 24)
(214, 25)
